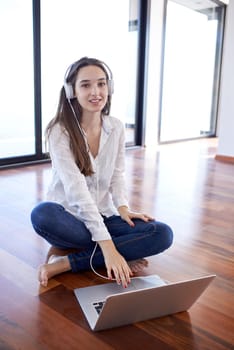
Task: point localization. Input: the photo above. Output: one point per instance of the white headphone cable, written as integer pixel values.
(91, 265)
(79, 126)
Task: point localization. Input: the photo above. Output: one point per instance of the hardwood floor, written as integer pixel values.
(181, 184)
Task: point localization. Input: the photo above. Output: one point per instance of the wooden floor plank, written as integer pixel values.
(21, 274)
(181, 184)
(33, 319)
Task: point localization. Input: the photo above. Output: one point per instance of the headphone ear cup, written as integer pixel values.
(69, 91)
(110, 86)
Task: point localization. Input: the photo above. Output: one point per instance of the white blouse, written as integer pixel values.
(90, 197)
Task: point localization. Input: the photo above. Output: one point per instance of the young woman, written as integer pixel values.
(87, 208)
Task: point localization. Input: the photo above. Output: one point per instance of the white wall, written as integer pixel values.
(226, 105)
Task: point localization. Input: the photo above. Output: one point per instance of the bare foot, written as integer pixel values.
(138, 265)
(56, 265)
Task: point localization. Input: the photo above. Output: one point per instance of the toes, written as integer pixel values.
(138, 265)
(43, 276)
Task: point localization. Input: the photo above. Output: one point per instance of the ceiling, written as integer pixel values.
(200, 4)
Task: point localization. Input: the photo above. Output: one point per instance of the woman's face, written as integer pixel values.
(91, 89)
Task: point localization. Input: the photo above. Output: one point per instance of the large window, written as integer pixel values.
(89, 28)
(102, 29)
(39, 39)
(16, 83)
(193, 44)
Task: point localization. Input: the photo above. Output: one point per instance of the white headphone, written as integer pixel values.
(78, 64)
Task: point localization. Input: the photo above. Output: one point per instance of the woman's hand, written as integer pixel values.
(128, 215)
(115, 263)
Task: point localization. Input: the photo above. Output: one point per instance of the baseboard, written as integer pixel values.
(225, 159)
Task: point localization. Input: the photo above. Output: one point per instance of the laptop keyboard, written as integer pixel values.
(98, 306)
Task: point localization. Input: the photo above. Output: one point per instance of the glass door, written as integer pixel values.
(190, 83)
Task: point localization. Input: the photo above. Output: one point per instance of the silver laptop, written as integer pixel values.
(110, 305)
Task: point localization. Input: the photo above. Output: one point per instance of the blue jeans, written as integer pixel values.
(63, 230)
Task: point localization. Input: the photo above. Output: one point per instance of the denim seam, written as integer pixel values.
(98, 253)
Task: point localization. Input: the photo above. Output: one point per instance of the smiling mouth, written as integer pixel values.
(95, 100)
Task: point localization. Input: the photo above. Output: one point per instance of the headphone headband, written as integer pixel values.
(84, 62)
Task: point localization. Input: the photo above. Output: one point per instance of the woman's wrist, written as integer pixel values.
(123, 209)
(107, 246)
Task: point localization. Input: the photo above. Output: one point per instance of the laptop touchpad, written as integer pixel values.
(147, 282)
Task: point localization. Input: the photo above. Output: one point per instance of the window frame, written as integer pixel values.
(39, 156)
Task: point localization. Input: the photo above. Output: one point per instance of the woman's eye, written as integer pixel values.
(85, 85)
(101, 84)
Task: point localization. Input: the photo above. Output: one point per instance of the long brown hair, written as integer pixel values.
(68, 110)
